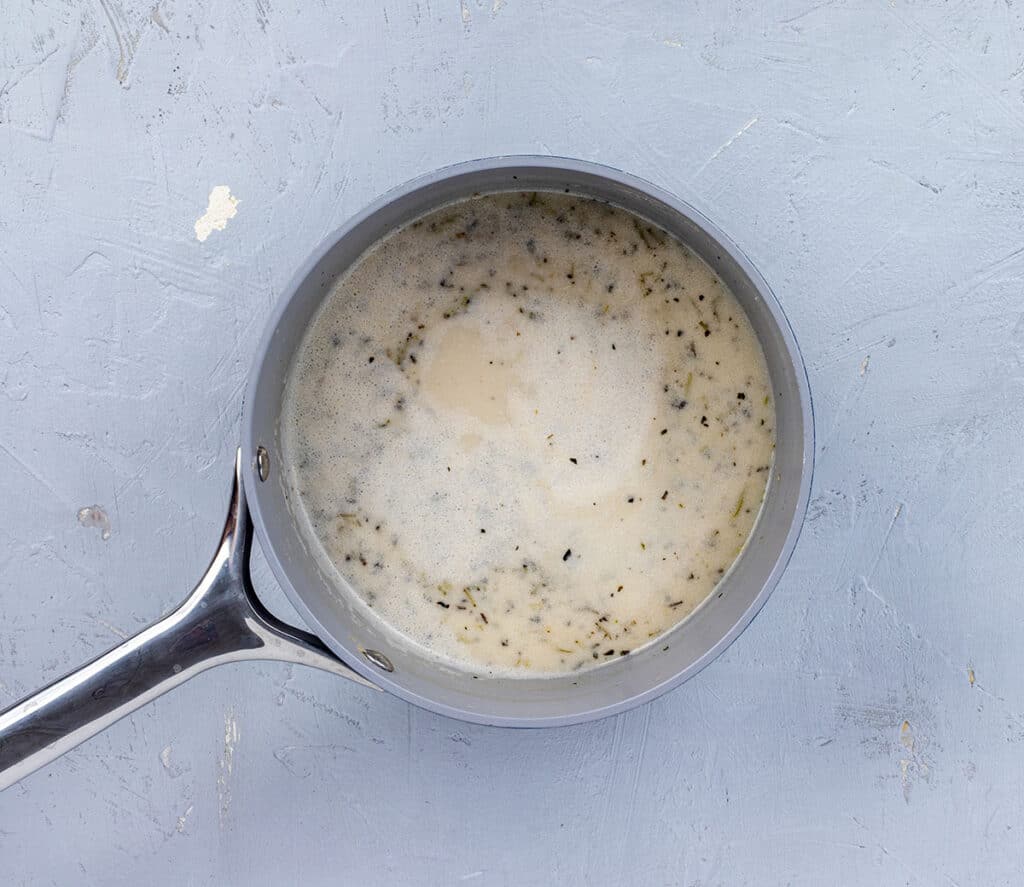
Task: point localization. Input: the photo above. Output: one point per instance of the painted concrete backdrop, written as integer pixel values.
(164, 168)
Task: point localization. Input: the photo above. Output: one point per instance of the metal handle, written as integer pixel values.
(221, 621)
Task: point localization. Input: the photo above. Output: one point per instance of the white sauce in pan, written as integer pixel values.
(532, 432)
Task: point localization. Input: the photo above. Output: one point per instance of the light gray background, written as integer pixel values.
(867, 729)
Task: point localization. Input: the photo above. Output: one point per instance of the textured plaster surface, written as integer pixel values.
(868, 728)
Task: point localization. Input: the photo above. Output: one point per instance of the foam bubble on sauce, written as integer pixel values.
(530, 431)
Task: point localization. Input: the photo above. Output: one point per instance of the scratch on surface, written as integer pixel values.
(986, 157)
(94, 258)
(28, 69)
(917, 180)
(887, 851)
(897, 620)
(95, 516)
(317, 705)
(881, 549)
(469, 876)
(988, 90)
(496, 6)
(30, 471)
(844, 409)
(1012, 714)
(883, 314)
(634, 788)
(889, 608)
(31, 101)
(113, 629)
(219, 209)
(180, 827)
(829, 359)
(262, 14)
(725, 146)
(815, 8)
(864, 264)
(158, 20)
(803, 131)
(615, 757)
(986, 273)
(126, 41)
(283, 757)
(184, 280)
(140, 470)
(305, 760)
(911, 764)
(409, 712)
(227, 763)
(328, 163)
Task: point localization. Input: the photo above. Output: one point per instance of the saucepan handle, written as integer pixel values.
(221, 621)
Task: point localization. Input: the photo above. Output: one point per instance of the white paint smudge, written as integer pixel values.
(496, 6)
(470, 876)
(172, 769)
(864, 364)
(465, 13)
(220, 208)
(227, 763)
(94, 516)
(180, 827)
(672, 41)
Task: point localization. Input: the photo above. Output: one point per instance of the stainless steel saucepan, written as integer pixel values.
(223, 620)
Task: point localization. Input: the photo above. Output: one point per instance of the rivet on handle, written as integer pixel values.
(375, 657)
(263, 462)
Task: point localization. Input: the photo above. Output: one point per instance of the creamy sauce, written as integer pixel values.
(531, 431)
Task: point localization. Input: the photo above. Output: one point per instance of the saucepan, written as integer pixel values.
(222, 620)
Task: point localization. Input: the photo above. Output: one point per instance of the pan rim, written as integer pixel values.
(792, 353)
